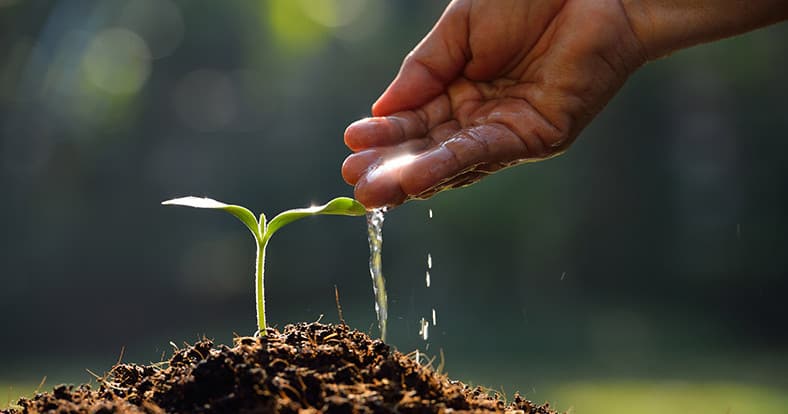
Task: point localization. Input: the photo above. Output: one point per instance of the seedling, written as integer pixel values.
(262, 230)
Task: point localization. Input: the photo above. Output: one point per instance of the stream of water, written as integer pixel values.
(375, 236)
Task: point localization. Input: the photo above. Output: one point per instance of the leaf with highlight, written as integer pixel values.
(241, 213)
(340, 206)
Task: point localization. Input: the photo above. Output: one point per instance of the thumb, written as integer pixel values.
(431, 66)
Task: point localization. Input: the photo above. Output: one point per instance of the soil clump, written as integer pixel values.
(306, 368)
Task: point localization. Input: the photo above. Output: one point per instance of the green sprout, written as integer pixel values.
(262, 230)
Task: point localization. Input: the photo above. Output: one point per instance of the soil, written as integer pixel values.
(306, 368)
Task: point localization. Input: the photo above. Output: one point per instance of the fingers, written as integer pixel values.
(386, 191)
(469, 148)
(384, 131)
(451, 163)
(437, 60)
(399, 127)
(357, 164)
(362, 162)
(376, 172)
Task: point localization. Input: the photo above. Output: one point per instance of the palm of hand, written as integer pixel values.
(493, 85)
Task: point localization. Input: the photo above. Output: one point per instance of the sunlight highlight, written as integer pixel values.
(391, 164)
(196, 202)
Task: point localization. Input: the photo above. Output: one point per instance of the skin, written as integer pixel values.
(497, 83)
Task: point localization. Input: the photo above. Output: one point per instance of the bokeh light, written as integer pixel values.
(366, 24)
(117, 61)
(158, 22)
(333, 13)
(294, 32)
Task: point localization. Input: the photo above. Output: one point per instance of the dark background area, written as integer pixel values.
(654, 249)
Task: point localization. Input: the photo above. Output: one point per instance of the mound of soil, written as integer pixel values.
(306, 368)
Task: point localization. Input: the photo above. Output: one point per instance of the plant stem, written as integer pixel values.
(259, 288)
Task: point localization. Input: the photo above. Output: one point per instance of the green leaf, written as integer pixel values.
(239, 212)
(340, 206)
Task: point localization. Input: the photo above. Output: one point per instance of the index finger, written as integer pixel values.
(385, 131)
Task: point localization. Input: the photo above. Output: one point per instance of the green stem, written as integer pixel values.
(259, 289)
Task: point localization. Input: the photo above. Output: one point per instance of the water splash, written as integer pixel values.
(375, 236)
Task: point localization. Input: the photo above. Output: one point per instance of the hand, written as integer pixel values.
(494, 84)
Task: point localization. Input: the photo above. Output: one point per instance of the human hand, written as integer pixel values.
(494, 84)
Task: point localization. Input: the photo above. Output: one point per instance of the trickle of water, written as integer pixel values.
(434, 319)
(424, 331)
(375, 237)
(427, 278)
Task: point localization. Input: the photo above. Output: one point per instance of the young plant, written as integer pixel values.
(262, 230)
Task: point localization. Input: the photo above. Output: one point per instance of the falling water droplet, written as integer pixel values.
(430, 213)
(375, 233)
(429, 261)
(434, 319)
(425, 329)
(563, 275)
(427, 278)
(418, 357)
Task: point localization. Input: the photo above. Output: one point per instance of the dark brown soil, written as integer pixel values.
(306, 368)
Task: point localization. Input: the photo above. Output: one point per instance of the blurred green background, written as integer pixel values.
(644, 271)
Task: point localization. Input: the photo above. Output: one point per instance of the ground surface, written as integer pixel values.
(311, 367)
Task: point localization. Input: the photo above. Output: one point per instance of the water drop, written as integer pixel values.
(434, 319)
(429, 261)
(424, 331)
(430, 213)
(427, 278)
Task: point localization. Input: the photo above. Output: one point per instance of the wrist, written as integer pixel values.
(665, 26)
